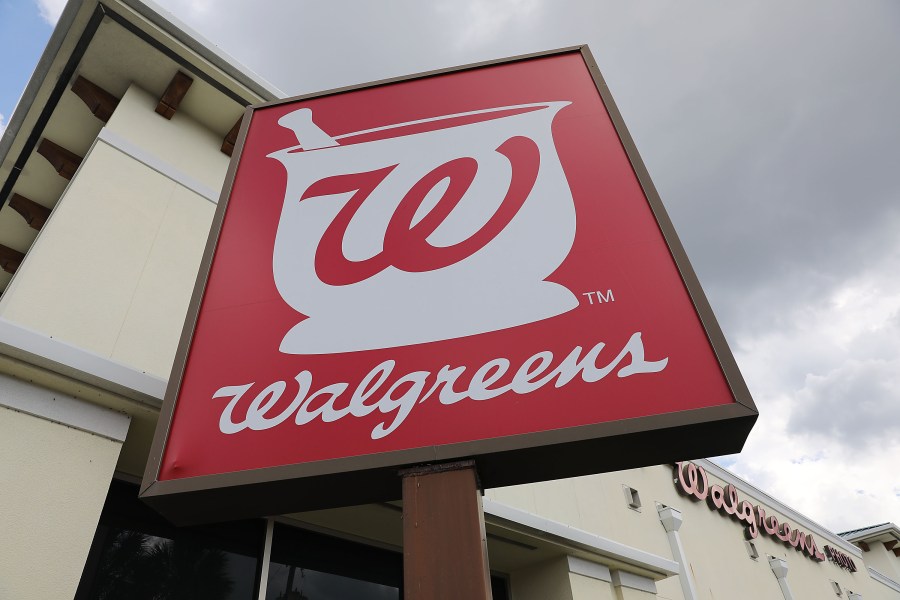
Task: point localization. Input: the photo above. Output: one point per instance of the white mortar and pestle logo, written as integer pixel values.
(422, 231)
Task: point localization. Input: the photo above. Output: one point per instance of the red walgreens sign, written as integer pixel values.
(469, 263)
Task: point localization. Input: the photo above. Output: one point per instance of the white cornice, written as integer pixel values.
(59, 408)
(57, 356)
(519, 520)
(586, 568)
(884, 579)
(114, 140)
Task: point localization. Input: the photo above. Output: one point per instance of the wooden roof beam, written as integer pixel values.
(100, 102)
(174, 94)
(10, 259)
(63, 161)
(34, 214)
(231, 138)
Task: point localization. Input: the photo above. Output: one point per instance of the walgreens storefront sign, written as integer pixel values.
(692, 481)
(470, 263)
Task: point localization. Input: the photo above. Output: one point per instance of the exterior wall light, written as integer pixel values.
(632, 498)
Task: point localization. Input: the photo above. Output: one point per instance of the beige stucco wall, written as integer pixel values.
(883, 560)
(596, 504)
(113, 269)
(542, 581)
(587, 588)
(53, 482)
(714, 544)
(623, 593)
(181, 142)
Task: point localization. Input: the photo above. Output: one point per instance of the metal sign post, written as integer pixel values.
(444, 543)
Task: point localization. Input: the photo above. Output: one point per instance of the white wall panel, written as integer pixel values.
(53, 482)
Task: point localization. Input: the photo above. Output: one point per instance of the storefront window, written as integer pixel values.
(136, 555)
(311, 566)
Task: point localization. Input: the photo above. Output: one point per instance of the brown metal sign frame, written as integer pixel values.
(500, 461)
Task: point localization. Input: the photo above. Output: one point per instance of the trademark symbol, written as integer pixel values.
(599, 297)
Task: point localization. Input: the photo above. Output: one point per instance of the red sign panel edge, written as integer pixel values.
(501, 461)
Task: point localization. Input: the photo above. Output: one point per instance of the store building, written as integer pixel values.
(110, 171)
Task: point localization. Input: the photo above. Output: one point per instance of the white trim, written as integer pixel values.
(66, 410)
(874, 531)
(884, 579)
(635, 582)
(764, 498)
(267, 556)
(579, 566)
(44, 351)
(294, 521)
(503, 515)
(114, 140)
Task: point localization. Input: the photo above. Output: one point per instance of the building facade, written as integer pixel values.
(110, 169)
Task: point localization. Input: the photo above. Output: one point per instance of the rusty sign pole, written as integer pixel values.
(444, 543)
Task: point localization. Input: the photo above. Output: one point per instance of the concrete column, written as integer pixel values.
(780, 568)
(545, 580)
(589, 580)
(573, 578)
(671, 520)
(58, 457)
(629, 586)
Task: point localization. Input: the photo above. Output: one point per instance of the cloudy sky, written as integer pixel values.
(772, 131)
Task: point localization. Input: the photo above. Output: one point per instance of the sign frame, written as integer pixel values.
(515, 459)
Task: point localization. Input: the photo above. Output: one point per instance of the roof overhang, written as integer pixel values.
(120, 42)
(886, 532)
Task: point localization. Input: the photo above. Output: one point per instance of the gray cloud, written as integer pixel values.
(856, 405)
(763, 124)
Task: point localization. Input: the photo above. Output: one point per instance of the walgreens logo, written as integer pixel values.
(428, 219)
(395, 401)
(692, 481)
(423, 230)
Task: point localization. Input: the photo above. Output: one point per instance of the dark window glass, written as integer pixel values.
(137, 555)
(499, 588)
(310, 566)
